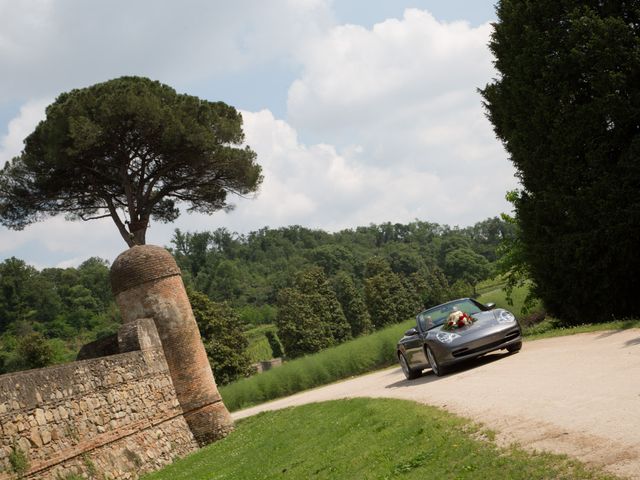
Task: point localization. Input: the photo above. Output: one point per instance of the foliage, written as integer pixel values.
(257, 315)
(512, 264)
(45, 316)
(223, 338)
(131, 149)
(565, 105)
(73, 306)
(515, 301)
(310, 317)
(249, 270)
(387, 299)
(277, 350)
(19, 461)
(464, 264)
(35, 351)
(461, 289)
(352, 304)
(366, 439)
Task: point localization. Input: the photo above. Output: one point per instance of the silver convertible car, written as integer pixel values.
(456, 331)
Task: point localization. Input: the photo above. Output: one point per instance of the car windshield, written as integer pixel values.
(436, 316)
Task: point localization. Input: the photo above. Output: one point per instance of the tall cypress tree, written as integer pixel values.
(566, 105)
(310, 317)
(385, 295)
(352, 304)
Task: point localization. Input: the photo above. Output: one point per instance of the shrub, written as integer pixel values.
(19, 461)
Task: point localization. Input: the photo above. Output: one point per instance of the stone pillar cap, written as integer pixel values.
(141, 264)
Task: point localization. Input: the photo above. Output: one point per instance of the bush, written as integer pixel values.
(275, 344)
(19, 461)
(35, 351)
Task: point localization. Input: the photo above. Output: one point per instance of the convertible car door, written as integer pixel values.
(415, 351)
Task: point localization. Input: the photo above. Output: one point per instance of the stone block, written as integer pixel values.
(139, 334)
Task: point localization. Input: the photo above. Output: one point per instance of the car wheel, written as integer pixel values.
(409, 372)
(436, 368)
(515, 347)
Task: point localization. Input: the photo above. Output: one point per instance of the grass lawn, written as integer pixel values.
(365, 439)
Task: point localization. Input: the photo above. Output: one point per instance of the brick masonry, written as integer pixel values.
(147, 284)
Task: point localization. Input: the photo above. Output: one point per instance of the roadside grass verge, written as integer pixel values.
(366, 439)
(355, 357)
(549, 328)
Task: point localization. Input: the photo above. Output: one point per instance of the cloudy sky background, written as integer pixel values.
(360, 111)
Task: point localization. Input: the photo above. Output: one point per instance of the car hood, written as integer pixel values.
(484, 320)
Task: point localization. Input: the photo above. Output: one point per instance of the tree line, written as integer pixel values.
(319, 288)
(322, 288)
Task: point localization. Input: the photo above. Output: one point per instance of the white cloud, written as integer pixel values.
(371, 74)
(384, 124)
(30, 114)
(405, 92)
(320, 186)
(48, 46)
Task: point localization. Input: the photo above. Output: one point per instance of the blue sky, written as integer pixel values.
(360, 111)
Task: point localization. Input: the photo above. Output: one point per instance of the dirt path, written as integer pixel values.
(578, 395)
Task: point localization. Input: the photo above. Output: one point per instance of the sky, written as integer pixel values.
(360, 111)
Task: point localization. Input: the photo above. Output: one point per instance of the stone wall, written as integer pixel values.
(105, 418)
(150, 396)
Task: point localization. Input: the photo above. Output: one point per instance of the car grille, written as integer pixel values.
(461, 352)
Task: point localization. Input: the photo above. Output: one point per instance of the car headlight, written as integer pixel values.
(506, 317)
(446, 337)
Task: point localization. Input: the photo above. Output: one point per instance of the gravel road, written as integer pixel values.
(578, 395)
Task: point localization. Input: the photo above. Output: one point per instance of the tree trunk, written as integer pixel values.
(139, 231)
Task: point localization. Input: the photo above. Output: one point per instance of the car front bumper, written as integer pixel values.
(465, 349)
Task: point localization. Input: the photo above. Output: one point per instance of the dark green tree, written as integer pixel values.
(353, 306)
(300, 327)
(566, 107)
(385, 295)
(465, 264)
(460, 289)
(437, 287)
(277, 350)
(34, 351)
(310, 317)
(333, 258)
(223, 338)
(130, 149)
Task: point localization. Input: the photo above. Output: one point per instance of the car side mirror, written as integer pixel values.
(411, 332)
(491, 305)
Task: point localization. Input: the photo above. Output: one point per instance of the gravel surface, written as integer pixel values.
(578, 395)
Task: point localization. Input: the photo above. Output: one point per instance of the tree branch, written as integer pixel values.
(82, 217)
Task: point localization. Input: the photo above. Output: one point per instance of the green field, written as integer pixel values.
(365, 439)
(259, 348)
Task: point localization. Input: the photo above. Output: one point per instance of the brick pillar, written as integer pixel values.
(147, 283)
